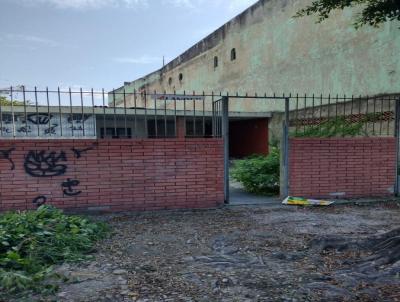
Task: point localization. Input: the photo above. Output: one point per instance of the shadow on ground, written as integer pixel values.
(238, 196)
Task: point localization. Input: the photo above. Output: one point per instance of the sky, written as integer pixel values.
(100, 43)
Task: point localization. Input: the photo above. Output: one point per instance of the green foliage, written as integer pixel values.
(332, 128)
(374, 12)
(5, 102)
(339, 127)
(32, 241)
(259, 174)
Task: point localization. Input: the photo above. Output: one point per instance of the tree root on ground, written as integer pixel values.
(383, 249)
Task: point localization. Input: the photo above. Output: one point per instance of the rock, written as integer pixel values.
(120, 272)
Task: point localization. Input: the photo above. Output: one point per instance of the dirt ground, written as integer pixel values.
(258, 253)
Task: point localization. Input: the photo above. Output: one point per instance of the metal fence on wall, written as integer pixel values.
(97, 114)
(327, 116)
(44, 114)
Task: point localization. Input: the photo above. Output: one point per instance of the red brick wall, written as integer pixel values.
(114, 175)
(358, 167)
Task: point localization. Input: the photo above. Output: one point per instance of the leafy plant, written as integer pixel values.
(32, 241)
(337, 127)
(373, 12)
(5, 102)
(259, 174)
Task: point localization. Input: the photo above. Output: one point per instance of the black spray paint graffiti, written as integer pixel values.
(41, 164)
(6, 154)
(40, 200)
(24, 129)
(68, 185)
(48, 164)
(39, 118)
(78, 152)
(51, 130)
(78, 118)
(5, 130)
(77, 121)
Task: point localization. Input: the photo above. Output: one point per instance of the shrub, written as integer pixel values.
(32, 241)
(259, 174)
(336, 127)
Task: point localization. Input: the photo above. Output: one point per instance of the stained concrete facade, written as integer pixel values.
(276, 53)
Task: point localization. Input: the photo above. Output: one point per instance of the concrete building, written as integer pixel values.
(265, 50)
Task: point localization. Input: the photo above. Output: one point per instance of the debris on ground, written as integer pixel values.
(273, 253)
(299, 201)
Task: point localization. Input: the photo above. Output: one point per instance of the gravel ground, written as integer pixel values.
(233, 254)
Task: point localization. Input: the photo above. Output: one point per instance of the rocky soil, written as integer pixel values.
(264, 253)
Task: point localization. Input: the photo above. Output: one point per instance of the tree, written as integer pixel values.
(374, 12)
(5, 102)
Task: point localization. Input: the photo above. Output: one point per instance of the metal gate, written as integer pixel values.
(221, 121)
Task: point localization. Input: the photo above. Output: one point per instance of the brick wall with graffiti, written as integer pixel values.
(111, 175)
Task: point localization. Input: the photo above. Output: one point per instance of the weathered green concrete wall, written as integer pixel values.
(279, 54)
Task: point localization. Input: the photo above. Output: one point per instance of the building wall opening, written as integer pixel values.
(248, 137)
(233, 54)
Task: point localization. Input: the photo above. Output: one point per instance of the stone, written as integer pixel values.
(120, 272)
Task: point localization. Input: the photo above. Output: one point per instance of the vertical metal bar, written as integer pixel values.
(59, 110)
(25, 115)
(397, 136)
(72, 114)
(135, 117)
(175, 118)
(366, 116)
(37, 111)
(104, 114)
(146, 128)
(155, 113)
(320, 114)
(184, 113)
(336, 113)
(213, 114)
(93, 113)
(344, 114)
(219, 117)
(225, 131)
(304, 112)
(48, 110)
(12, 110)
(1, 119)
(382, 116)
(194, 116)
(115, 115)
(351, 109)
(389, 118)
(329, 107)
(374, 117)
(204, 115)
(125, 122)
(297, 114)
(165, 115)
(82, 114)
(285, 170)
(313, 110)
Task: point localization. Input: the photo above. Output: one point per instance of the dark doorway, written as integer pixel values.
(248, 137)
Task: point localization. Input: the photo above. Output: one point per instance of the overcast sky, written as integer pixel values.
(100, 43)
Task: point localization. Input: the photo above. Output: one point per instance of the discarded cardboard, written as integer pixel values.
(298, 201)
